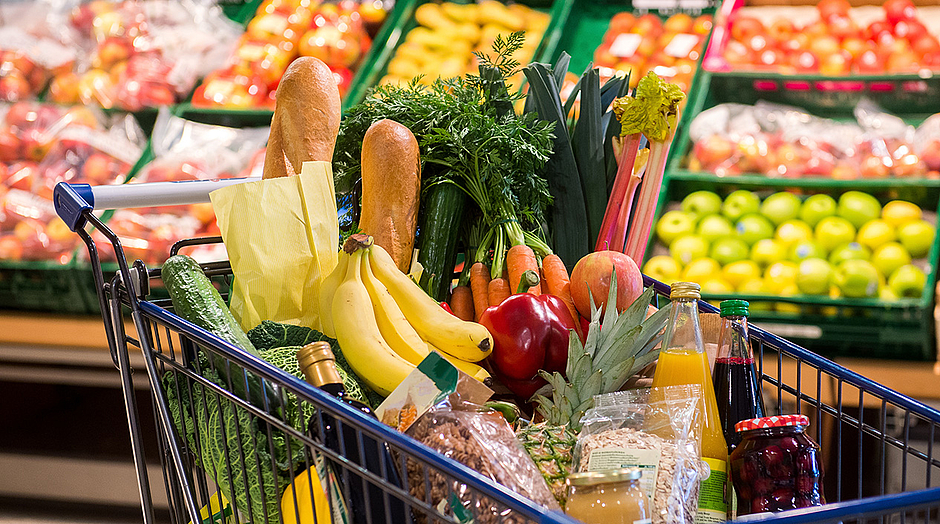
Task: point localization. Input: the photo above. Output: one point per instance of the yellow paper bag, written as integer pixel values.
(282, 238)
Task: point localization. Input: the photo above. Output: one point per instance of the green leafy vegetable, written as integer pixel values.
(269, 334)
(470, 137)
(652, 111)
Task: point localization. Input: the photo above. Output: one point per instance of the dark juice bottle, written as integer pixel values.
(366, 501)
(735, 376)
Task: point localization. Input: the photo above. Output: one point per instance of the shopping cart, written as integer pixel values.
(863, 427)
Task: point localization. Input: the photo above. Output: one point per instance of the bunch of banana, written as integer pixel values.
(386, 324)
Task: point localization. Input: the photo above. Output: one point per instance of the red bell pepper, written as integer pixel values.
(529, 333)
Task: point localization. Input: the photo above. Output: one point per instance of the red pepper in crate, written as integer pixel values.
(529, 333)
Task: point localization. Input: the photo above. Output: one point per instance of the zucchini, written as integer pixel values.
(444, 205)
(196, 300)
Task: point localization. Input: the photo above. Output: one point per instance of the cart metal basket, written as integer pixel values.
(878, 445)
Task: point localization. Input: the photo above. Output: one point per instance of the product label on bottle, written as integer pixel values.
(615, 458)
(712, 502)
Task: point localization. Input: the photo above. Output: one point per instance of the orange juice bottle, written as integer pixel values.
(683, 361)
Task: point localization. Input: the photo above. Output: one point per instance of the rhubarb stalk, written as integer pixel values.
(610, 229)
(652, 111)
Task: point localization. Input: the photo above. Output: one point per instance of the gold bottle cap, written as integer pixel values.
(685, 290)
(602, 477)
(318, 364)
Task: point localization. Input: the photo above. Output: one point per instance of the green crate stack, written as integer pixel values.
(902, 329)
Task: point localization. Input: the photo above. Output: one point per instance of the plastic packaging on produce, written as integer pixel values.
(185, 150)
(927, 142)
(889, 141)
(481, 439)
(656, 430)
(138, 54)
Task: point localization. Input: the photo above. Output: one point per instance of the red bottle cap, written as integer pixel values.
(772, 422)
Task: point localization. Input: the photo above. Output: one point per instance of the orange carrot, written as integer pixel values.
(519, 258)
(479, 278)
(461, 303)
(498, 289)
(557, 282)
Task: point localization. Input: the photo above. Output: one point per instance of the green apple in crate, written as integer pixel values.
(900, 212)
(832, 232)
(908, 281)
(850, 251)
(780, 207)
(875, 233)
(714, 227)
(857, 279)
(858, 208)
(806, 249)
(687, 248)
(768, 251)
(728, 250)
(793, 231)
(816, 208)
(813, 276)
(674, 224)
(740, 203)
(916, 237)
(701, 204)
(701, 269)
(737, 273)
(889, 257)
(663, 268)
(753, 228)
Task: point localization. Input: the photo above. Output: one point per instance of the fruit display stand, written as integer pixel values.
(402, 20)
(910, 90)
(42, 286)
(871, 327)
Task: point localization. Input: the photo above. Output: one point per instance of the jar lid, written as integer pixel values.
(600, 477)
(772, 422)
(685, 290)
(734, 308)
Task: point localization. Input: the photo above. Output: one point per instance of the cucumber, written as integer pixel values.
(444, 205)
(195, 299)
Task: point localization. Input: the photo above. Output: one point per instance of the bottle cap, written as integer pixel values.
(778, 421)
(318, 364)
(685, 290)
(601, 477)
(734, 308)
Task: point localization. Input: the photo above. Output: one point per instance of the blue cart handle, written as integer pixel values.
(72, 200)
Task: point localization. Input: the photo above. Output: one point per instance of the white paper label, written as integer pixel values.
(647, 460)
(681, 45)
(625, 45)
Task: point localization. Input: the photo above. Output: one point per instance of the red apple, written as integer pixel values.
(825, 46)
(332, 46)
(713, 150)
(14, 86)
(679, 23)
(64, 89)
(9, 146)
(590, 278)
(912, 30)
(870, 63)
(832, 8)
(702, 25)
(874, 166)
(621, 23)
(782, 29)
(11, 248)
(926, 45)
(745, 27)
(898, 10)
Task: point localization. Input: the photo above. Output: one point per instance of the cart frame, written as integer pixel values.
(802, 382)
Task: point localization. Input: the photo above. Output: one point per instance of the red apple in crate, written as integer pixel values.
(64, 89)
(713, 150)
(343, 77)
(11, 248)
(268, 26)
(898, 10)
(96, 87)
(832, 8)
(874, 166)
(930, 154)
(111, 51)
(98, 170)
(679, 23)
(202, 212)
(781, 29)
(743, 28)
(332, 46)
(9, 146)
(703, 25)
(621, 23)
(590, 278)
(14, 86)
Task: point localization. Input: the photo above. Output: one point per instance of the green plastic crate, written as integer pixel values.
(43, 286)
(902, 329)
(583, 33)
(402, 20)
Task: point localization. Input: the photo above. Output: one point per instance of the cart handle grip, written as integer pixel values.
(72, 200)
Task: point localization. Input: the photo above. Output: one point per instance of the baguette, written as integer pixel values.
(306, 118)
(391, 185)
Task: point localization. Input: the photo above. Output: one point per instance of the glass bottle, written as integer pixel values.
(318, 365)
(737, 386)
(683, 361)
(608, 497)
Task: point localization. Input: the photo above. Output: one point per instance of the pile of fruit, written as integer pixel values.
(783, 142)
(41, 145)
(20, 77)
(442, 44)
(142, 54)
(850, 246)
(839, 41)
(636, 45)
(340, 34)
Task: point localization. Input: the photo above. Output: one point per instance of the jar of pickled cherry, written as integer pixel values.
(777, 466)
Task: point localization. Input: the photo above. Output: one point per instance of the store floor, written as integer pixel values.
(22, 511)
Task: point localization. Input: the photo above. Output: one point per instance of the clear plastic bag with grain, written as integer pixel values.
(657, 430)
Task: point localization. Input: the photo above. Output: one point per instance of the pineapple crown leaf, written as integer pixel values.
(581, 370)
(619, 374)
(592, 386)
(632, 317)
(575, 351)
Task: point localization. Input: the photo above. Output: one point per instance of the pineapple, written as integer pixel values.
(608, 358)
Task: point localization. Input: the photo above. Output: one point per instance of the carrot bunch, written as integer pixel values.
(477, 290)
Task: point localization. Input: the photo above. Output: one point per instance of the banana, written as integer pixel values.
(327, 289)
(469, 368)
(395, 329)
(467, 341)
(359, 336)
